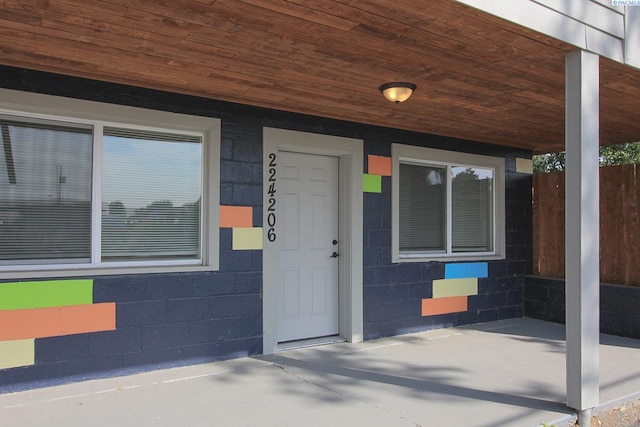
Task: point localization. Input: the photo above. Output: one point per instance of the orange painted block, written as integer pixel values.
(236, 216)
(29, 323)
(56, 321)
(379, 165)
(434, 306)
(78, 319)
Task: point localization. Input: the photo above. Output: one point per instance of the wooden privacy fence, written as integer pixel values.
(619, 224)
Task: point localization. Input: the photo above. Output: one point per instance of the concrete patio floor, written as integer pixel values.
(506, 373)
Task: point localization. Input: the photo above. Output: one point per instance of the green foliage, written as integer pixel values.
(622, 154)
(612, 155)
(117, 208)
(550, 162)
(467, 175)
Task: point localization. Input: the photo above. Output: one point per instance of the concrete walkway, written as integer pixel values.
(507, 373)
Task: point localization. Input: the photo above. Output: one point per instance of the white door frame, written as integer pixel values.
(350, 218)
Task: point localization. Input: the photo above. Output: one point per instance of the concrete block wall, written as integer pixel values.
(176, 319)
(544, 299)
(162, 321)
(393, 292)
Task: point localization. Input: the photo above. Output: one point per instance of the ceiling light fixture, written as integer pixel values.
(397, 91)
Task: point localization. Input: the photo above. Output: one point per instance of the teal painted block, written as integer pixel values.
(466, 270)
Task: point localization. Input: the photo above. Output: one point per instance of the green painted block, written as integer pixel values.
(14, 296)
(64, 292)
(455, 287)
(372, 183)
(51, 293)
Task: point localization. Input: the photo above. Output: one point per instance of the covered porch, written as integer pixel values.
(505, 373)
(478, 78)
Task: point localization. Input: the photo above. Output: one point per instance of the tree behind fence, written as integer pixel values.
(619, 224)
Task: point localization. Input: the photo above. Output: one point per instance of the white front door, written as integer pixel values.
(307, 197)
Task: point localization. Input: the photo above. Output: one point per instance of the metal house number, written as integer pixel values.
(271, 199)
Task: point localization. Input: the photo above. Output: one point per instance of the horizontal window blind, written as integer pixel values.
(472, 209)
(137, 134)
(151, 199)
(45, 191)
(422, 210)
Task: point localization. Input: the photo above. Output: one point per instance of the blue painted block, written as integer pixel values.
(246, 195)
(56, 349)
(120, 341)
(378, 239)
(383, 275)
(234, 306)
(226, 193)
(240, 173)
(162, 287)
(213, 284)
(235, 261)
(226, 147)
(248, 282)
(244, 151)
(165, 336)
(465, 270)
(119, 289)
(372, 256)
(226, 238)
(409, 272)
(143, 313)
(187, 309)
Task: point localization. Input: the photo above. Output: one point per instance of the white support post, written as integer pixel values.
(582, 231)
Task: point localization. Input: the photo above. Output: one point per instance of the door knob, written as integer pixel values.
(335, 255)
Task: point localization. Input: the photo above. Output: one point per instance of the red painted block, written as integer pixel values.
(433, 306)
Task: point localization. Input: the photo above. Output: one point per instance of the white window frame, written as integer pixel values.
(429, 156)
(99, 115)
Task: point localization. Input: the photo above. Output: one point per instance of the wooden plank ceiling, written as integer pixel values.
(478, 77)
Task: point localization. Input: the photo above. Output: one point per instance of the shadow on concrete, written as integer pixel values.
(434, 385)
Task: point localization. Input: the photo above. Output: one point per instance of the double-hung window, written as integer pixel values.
(446, 205)
(105, 193)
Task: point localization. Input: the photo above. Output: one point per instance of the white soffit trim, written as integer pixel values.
(564, 21)
(632, 37)
(605, 17)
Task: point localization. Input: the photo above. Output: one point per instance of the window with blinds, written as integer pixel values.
(423, 209)
(151, 191)
(445, 206)
(146, 190)
(471, 209)
(45, 192)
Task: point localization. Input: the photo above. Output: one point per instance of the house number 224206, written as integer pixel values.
(271, 199)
